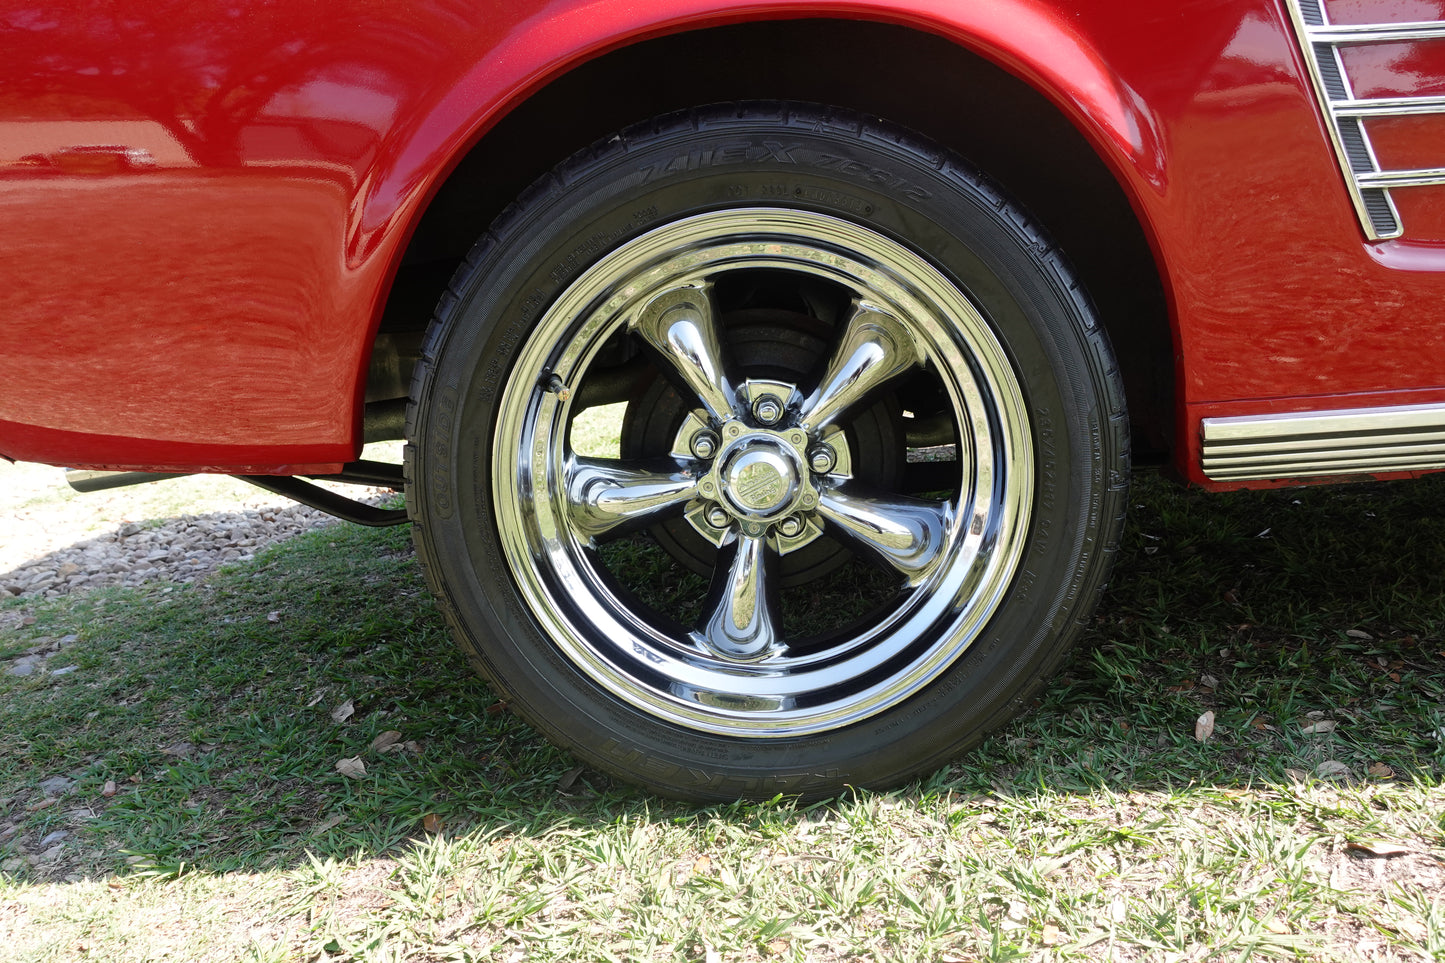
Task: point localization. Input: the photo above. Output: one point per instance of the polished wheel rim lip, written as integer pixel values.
(945, 606)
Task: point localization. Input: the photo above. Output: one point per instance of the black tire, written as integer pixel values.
(796, 305)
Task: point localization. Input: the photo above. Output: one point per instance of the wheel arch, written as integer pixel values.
(1028, 101)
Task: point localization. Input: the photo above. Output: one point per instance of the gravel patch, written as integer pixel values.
(54, 541)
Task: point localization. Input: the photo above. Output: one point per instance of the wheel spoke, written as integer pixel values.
(741, 619)
(875, 348)
(907, 533)
(604, 495)
(678, 325)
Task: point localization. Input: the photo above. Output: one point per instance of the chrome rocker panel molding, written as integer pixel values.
(1310, 444)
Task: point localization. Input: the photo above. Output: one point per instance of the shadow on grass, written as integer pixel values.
(202, 725)
(1278, 612)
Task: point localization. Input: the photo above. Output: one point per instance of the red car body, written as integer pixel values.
(225, 227)
(215, 308)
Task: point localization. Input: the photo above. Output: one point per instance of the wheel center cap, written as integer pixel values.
(760, 479)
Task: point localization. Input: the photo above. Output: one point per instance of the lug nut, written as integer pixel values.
(820, 459)
(704, 444)
(717, 517)
(790, 526)
(768, 410)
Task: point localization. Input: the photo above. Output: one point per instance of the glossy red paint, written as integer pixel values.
(204, 203)
(1396, 69)
(1383, 11)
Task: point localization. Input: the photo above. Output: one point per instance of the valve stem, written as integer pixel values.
(556, 386)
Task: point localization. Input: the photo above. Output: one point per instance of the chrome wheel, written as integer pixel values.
(759, 466)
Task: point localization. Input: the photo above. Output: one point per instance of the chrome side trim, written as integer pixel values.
(1305, 444)
(1345, 114)
(1379, 32)
(1419, 178)
(1389, 106)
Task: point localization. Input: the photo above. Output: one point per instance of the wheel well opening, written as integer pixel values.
(920, 81)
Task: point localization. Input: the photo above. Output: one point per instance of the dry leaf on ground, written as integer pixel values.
(386, 741)
(1324, 725)
(331, 822)
(1204, 727)
(352, 768)
(343, 712)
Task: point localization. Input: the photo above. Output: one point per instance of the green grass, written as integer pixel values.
(1096, 827)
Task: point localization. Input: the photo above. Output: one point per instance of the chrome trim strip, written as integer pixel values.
(1294, 461)
(1325, 468)
(1378, 32)
(1382, 442)
(1417, 178)
(1357, 441)
(1388, 106)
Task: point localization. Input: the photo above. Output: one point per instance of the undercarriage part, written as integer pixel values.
(377, 474)
(371, 473)
(383, 420)
(99, 481)
(347, 509)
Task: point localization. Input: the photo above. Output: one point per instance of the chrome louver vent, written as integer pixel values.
(1369, 185)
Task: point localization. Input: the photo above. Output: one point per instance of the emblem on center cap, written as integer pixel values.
(759, 486)
(760, 481)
